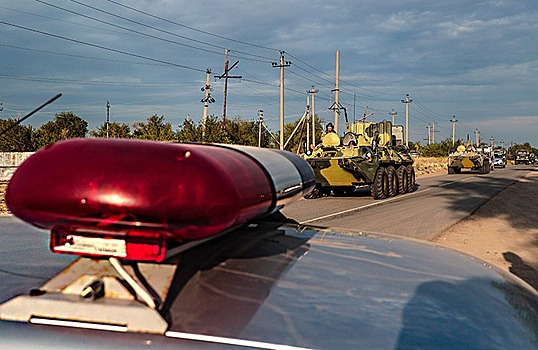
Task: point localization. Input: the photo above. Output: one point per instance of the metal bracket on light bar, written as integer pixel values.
(139, 290)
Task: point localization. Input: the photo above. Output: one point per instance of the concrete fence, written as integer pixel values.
(9, 161)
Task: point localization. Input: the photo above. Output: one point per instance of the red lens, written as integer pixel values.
(189, 191)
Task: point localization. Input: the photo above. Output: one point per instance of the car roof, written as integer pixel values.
(275, 284)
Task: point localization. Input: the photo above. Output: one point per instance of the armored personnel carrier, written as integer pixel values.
(368, 154)
(467, 157)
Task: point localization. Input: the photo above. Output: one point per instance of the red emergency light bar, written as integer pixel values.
(131, 199)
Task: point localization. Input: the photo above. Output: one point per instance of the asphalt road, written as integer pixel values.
(440, 202)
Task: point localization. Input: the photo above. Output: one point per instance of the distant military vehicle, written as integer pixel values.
(369, 153)
(522, 157)
(467, 157)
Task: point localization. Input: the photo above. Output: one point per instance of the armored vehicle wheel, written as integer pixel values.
(411, 186)
(393, 181)
(484, 169)
(403, 179)
(451, 171)
(380, 187)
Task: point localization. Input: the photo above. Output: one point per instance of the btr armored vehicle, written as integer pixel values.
(368, 154)
(467, 157)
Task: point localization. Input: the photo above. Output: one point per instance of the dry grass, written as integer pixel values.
(3, 208)
(430, 165)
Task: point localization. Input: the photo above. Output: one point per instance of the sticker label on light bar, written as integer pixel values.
(93, 246)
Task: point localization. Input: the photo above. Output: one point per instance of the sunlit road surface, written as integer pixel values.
(440, 202)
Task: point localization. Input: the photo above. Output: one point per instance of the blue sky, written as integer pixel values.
(477, 60)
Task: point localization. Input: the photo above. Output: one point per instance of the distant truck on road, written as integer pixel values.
(522, 157)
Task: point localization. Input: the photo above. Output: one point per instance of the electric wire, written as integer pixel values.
(191, 28)
(162, 31)
(129, 29)
(82, 56)
(102, 47)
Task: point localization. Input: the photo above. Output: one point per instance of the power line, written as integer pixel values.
(82, 56)
(102, 47)
(191, 28)
(83, 82)
(343, 81)
(132, 30)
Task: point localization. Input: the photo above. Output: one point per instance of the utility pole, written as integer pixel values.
(502, 144)
(393, 114)
(107, 117)
(429, 138)
(206, 100)
(281, 66)
(308, 115)
(407, 101)
(454, 121)
(226, 76)
(260, 114)
(337, 91)
(312, 112)
(477, 137)
(433, 132)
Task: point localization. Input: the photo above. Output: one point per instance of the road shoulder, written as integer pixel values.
(504, 231)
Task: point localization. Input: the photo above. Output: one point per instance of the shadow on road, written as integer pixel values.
(518, 209)
(521, 269)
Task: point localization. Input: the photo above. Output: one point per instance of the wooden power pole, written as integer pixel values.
(226, 76)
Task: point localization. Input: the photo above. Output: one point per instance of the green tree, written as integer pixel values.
(189, 132)
(154, 129)
(214, 131)
(19, 139)
(242, 132)
(238, 131)
(115, 130)
(65, 125)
